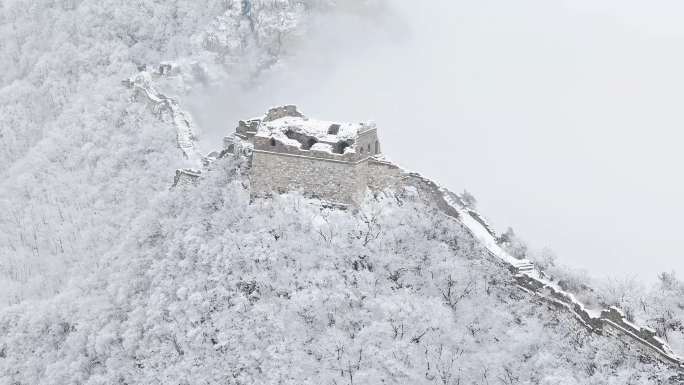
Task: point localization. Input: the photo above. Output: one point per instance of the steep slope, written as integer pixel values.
(208, 288)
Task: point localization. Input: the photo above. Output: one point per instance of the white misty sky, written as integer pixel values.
(564, 118)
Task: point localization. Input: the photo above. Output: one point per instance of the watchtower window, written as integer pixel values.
(272, 142)
(361, 149)
(377, 147)
(334, 129)
(369, 148)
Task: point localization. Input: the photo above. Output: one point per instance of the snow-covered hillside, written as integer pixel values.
(78, 158)
(109, 276)
(208, 288)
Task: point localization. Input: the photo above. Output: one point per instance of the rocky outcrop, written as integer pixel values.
(186, 177)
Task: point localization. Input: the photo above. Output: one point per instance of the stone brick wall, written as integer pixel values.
(380, 175)
(611, 322)
(281, 112)
(265, 144)
(365, 142)
(332, 177)
(330, 180)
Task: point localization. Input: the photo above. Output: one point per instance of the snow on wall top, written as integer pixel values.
(280, 121)
(322, 130)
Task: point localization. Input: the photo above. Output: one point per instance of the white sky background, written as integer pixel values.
(564, 118)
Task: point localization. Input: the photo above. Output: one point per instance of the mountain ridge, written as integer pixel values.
(153, 306)
(109, 276)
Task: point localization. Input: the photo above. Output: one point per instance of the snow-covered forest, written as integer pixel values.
(79, 158)
(208, 288)
(109, 276)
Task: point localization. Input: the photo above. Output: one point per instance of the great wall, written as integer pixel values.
(166, 107)
(357, 164)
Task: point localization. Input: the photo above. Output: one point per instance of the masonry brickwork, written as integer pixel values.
(330, 180)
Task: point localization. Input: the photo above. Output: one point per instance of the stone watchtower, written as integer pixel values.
(333, 161)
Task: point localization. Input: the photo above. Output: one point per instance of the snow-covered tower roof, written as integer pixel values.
(285, 129)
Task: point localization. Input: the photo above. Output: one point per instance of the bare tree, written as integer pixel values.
(452, 294)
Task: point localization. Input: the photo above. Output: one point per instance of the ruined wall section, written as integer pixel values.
(380, 175)
(331, 178)
(272, 145)
(614, 322)
(326, 179)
